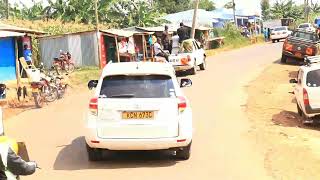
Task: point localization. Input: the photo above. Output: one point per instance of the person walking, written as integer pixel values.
(265, 33)
(166, 39)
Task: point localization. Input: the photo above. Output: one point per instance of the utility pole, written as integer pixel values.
(234, 13)
(7, 8)
(306, 10)
(96, 12)
(194, 20)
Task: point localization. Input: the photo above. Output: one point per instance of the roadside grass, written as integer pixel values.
(83, 75)
(234, 43)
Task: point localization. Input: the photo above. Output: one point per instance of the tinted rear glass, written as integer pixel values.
(303, 35)
(304, 26)
(313, 78)
(280, 29)
(146, 86)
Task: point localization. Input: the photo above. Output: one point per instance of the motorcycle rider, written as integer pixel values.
(11, 165)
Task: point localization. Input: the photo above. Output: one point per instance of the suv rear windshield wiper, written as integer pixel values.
(123, 96)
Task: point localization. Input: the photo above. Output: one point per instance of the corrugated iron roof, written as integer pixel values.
(125, 32)
(6, 27)
(10, 34)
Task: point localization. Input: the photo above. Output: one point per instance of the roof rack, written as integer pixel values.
(308, 60)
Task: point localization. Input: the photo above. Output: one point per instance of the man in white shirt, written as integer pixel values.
(175, 43)
(158, 50)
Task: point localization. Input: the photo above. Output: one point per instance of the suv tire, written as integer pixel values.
(184, 153)
(204, 64)
(194, 69)
(94, 154)
(283, 59)
(299, 110)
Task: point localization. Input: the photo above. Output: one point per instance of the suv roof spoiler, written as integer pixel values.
(308, 60)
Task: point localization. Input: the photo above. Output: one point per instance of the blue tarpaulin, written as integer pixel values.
(7, 59)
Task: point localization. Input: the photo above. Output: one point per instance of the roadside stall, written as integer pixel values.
(131, 45)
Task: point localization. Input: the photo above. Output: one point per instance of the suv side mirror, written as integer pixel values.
(92, 84)
(293, 81)
(185, 82)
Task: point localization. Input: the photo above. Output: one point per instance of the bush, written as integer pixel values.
(233, 36)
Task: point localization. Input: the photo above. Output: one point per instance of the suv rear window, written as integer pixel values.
(304, 35)
(142, 86)
(313, 78)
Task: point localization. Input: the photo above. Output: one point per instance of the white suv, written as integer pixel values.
(307, 90)
(139, 106)
(307, 27)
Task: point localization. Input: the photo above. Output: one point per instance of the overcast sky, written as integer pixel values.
(240, 4)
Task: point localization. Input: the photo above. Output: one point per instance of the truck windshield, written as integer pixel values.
(280, 29)
(137, 86)
(304, 26)
(313, 78)
(305, 35)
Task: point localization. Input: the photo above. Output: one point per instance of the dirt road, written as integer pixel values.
(221, 146)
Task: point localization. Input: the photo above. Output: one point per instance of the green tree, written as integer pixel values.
(266, 9)
(126, 13)
(286, 9)
(172, 6)
(207, 5)
(315, 7)
(228, 5)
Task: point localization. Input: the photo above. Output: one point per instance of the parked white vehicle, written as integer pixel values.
(278, 33)
(307, 27)
(190, 56)
(139, 106)
(307, 90)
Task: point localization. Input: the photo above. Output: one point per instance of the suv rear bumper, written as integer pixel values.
(182, 67)
(138, 144)
(290, 54)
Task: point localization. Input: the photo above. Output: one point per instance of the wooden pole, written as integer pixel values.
(96, 14)
(234, 13)
(17, 63)
(194, 20)
(7, 9)
(144, 47)
(117, 48)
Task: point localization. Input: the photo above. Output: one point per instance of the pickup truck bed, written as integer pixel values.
(299, 46)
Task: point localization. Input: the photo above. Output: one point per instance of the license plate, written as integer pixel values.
(35, 90)
(173, 60)
(138, 115)
(298, 54)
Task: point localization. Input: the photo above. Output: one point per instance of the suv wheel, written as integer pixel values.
(204, 64)
(299, 110)
(184, 153)
(94, 154)
(283, 58)
(194, 69)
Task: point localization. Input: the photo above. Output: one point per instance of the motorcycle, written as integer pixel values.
(61, 85)
(63, 63)
(44, 91)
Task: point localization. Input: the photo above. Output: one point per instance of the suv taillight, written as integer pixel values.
(182, 104)
(309, 51)
(93, 106)
(305, 97)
